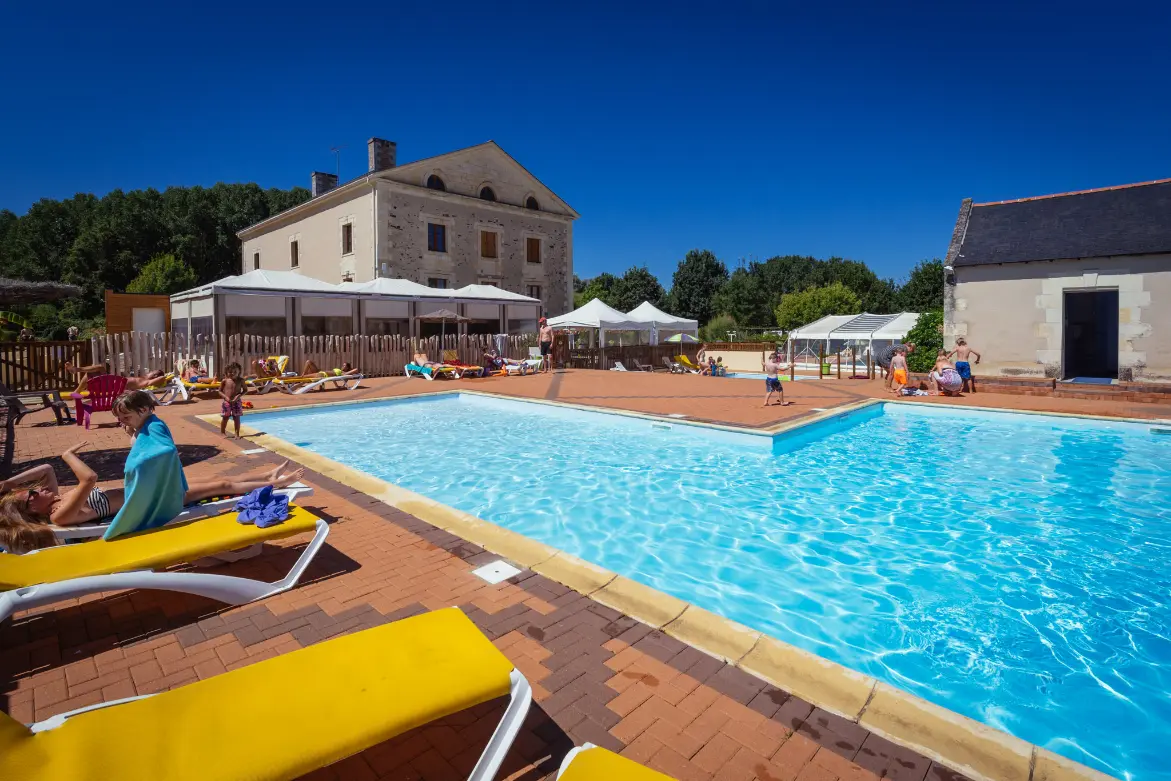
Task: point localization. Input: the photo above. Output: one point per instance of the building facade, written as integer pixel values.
(474, 216)
(1076, 285)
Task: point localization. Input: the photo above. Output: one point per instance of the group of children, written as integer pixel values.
(945, 378)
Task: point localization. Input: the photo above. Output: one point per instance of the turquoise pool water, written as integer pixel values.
(1013, 568)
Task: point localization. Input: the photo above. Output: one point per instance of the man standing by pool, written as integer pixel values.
(885, 355)
(772, 383)
(962, 355)
(546, 339)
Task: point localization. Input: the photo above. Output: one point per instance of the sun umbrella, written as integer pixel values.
(442, 316)
(682, 339)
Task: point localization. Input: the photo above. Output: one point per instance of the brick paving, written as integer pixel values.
(597, 675)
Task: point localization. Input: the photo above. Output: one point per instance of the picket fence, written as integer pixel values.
(375, 356)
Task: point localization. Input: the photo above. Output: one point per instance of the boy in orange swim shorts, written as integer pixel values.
(898, 370)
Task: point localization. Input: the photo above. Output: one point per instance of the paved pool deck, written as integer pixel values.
(598, 675)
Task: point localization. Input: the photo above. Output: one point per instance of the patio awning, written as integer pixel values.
(821, 329)
(646, 312)
(598, 314)
(19, 291)
(261, 281)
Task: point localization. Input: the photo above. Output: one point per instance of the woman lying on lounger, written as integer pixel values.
(32, 499)
(310, 369)
(151, 379)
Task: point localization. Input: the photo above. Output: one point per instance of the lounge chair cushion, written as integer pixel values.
(277, 719)
(595, 763)
(152, 549)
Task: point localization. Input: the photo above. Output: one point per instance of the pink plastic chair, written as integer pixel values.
(102, 389)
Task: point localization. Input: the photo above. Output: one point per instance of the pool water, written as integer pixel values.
(1014, 568)
(760, 376)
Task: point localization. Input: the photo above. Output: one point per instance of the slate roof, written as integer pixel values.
(1132, 219)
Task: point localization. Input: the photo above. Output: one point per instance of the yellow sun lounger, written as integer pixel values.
(590, 763)
(282, 718)
(68, 571)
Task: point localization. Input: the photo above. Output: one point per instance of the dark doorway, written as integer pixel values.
(1090, 328)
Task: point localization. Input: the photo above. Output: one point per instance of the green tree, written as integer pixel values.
(927, 336)
(601, 286)
(638, 284)
(104, 243)
(698, 278)
(163, 274)
(797, 309)
(745, 298)
(923, 290)
(717, 329)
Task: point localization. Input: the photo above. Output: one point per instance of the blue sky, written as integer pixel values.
(752, 129)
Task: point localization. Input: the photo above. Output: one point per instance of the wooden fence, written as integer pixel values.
(37, 366)
(374, 356)
(630, 356)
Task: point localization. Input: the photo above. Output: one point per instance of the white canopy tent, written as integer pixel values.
(839, 331)
(600, 315)
(646, 312)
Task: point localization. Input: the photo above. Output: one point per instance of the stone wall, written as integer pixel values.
(1012, 313)
(404, 214)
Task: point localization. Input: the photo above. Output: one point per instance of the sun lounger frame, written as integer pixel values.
(520, 701)
(223, 588)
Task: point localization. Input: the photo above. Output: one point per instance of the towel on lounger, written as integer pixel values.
(155, 485)
(263, 508)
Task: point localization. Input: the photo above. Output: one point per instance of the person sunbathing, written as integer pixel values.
(265, 369)
(151, 379)
(420, 359)
(311, 369)
(32, 500)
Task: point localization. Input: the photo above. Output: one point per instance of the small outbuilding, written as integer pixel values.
(1074, 286)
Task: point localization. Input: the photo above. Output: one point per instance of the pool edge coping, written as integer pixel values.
(957, 741)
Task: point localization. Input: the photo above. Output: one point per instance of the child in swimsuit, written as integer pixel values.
(898, 370)
(232, 391)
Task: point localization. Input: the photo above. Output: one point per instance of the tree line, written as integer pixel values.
(142, 241)
(783, 292)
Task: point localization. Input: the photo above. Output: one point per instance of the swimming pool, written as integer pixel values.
(1013, 568)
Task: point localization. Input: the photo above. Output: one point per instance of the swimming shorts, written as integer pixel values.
(964, 369)
(949, 380)
(546, 348)
(99, 503)
(900, 376)
(232, 409)
(772, 384)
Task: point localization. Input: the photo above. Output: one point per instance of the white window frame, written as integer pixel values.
(480, 228)
(524, 247)
(436, 219)
(295, 239)
(341, 235)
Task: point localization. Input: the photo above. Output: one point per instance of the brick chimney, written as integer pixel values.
(322, 183)
(381, 154)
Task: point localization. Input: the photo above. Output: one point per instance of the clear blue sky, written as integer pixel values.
(752, 129)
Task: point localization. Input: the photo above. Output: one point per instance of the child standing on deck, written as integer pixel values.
(963, 355)
(898, 370)
(232, 391)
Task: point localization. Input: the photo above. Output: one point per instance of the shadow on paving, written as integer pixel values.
(37, 642)
(110, 464)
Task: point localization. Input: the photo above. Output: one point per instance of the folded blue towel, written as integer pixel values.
(263, 508)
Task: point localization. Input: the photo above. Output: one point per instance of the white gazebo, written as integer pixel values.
(839, 331)
(597, 314)
(646, 312)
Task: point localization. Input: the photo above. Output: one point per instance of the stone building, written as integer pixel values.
(473, 216)
(1075, 285)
